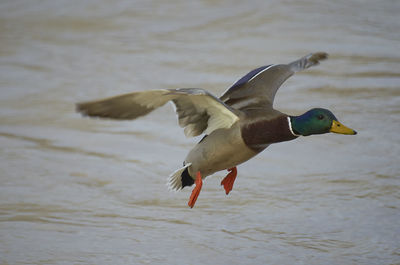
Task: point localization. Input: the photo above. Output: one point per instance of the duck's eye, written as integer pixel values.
(320, 117)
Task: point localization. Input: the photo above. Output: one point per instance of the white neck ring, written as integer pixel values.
(291, 129)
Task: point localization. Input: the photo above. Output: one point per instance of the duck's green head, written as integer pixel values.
(318, 121)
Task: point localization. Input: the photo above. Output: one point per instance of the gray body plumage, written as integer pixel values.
(222, 149)
(243, 113)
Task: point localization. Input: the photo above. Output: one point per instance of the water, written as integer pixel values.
(81, 191)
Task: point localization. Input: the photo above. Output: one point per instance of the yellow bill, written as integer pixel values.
(337, 127)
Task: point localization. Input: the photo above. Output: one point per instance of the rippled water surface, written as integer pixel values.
(81, 191)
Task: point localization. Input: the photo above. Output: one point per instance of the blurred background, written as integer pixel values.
(75, 190)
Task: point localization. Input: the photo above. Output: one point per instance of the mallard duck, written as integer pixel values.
(236, 126)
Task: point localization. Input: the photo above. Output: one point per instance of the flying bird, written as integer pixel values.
(236, 126)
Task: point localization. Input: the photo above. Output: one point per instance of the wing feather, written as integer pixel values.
(206, 113)
(198, 111)
(257, 89)
(125, 107)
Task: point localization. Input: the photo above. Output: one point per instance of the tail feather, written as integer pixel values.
(180, 178)
(187, 180)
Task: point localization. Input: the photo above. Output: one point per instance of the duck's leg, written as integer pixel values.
(229, 180)
(196, 190)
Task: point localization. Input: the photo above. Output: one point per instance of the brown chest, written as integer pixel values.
(259, 134)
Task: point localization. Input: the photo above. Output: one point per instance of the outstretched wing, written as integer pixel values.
(257, 89)
(198, 110)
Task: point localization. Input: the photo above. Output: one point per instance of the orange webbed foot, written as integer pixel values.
(196, 190)
(228, 181)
